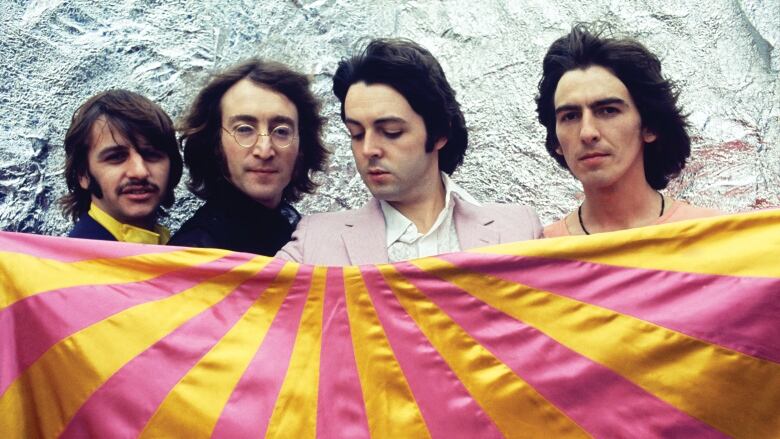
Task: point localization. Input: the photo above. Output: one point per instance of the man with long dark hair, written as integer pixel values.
(251, 140)
(408, 135)
(613, 121)
(122, 163)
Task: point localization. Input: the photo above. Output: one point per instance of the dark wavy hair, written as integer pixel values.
(640, 71)
(413, 72)
(134, 117)
(202, 126)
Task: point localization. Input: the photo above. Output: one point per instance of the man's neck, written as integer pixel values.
(619, 207)
(424, 209)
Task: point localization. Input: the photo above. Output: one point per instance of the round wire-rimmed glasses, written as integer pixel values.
(247, 136)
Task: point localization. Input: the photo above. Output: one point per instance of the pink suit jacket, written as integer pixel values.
(357, 237)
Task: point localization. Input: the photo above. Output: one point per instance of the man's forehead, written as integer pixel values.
(107, 132)
(249, 99)
(589, 85)
(379, 102)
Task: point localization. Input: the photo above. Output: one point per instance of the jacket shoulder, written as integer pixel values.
(87, 228)
(317, 239)
(520, 220)
(199, 230)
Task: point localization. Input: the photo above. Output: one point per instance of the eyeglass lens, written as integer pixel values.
(247, 136)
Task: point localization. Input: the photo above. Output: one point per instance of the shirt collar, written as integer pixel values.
(396, 223)
(128, 233)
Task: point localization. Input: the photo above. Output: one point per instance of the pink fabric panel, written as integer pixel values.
(341, 411)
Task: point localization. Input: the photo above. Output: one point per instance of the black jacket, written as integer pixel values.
(231, 220)
(86, 227)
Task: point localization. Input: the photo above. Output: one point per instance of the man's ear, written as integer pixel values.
(648, 136)
(440, 142)
(84, 181)
(558, 150)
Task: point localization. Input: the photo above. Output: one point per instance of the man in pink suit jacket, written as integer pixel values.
(408, 135)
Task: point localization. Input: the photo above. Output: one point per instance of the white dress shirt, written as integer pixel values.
(405, 242)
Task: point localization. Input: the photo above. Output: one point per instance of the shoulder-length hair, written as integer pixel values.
(201, 128)
(640, 71)
(134, 117)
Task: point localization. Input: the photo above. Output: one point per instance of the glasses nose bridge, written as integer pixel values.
(264, 145)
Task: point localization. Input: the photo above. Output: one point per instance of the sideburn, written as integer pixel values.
(93, 187)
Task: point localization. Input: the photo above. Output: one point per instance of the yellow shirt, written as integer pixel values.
(128, 233)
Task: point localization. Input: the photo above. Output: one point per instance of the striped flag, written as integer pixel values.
(665, 331)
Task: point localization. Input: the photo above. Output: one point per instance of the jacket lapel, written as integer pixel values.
(364, 237)
(471, 224)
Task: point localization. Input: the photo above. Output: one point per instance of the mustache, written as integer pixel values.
(373, 162)
(134, 185)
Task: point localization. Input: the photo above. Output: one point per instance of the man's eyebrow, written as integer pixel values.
(608, 101)
(248, 118)
(111, 150)
(598, 103)
(567, 107)
(281, 119)
(389, 119)
(380, 121)
(242, 118)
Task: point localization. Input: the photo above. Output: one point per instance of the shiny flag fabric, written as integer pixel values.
(665, 331)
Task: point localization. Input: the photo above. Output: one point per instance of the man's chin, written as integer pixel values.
(384, 193)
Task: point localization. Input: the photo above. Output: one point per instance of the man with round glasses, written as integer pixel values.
(251, 140)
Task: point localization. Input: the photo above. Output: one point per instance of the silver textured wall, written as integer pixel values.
(724, 53)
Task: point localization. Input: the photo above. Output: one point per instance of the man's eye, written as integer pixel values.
(115, 157)
(244, 130)
(608, 110)
(393, 134)
(565, 117)
(282, 132)
(357, 136)
(152, 155)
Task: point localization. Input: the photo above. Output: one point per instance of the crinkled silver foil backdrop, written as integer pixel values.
(725, 55)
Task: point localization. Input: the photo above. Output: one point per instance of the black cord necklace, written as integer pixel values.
(579, 214)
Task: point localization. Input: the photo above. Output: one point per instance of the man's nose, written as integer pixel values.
(137, 166)
(264, 148)
(371, 146)
(589, 132)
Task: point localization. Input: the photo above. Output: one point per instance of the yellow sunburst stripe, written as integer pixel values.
(295, 412)
(194, 405)
(48, 274)
(709, 246)
(50, 391)
(735, 393)
(518, 410)
(391, 409)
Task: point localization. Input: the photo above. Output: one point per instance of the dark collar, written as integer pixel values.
(235, 203)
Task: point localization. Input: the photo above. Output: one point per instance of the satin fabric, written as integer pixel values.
(642, 333)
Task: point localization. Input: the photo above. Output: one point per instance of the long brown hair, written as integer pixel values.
(201, 128)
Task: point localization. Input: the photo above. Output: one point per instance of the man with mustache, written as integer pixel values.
(408, 135)
(613, 121)
(251, 140)
(122, 164)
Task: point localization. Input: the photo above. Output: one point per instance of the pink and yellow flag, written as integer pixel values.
(666, 331)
